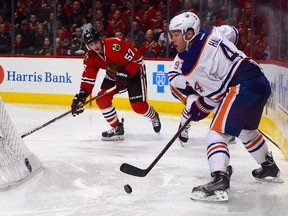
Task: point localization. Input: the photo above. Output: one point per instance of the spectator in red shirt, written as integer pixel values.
(145, 15)
(223, 16)
(7, 24)
(65, 36)
(119, 34)
(60, 49)
(126, 13)
(150, 48)
(33, 22)
(116, 23)
(20, 12)
(113, 8)
(68, 8)
(158, 24)
(75, 19)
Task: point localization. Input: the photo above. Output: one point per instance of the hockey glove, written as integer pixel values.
(199, 109)
(121, 81)
(77, 103)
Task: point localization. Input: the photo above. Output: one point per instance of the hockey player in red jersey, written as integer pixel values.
(231, 85)
(125, 68)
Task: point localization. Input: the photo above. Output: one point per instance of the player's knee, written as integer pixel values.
(104, 101)
(248, 135)
(216, 137)
(140, 107)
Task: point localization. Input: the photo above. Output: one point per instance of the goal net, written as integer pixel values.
(17, 163)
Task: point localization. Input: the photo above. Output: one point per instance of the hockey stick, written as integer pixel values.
(66, 113)
(269, 139)
(135, 171)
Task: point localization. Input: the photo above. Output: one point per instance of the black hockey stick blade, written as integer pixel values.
(66, 113)
(132, 170)
(135, 171)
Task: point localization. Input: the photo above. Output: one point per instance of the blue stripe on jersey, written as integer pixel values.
(215, 143)
(172, 75)
(258, 147)
(237, 35)
(223, 83)
(219, 151)
(182, 55)
(194, 52)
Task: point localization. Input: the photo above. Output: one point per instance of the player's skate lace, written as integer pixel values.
(114, 133)
(156, 123)
(267, 169)
(184, 136)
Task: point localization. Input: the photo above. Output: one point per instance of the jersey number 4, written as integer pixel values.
(230, 55)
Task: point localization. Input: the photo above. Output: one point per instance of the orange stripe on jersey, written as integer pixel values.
(200, 53)
(179, 95)
(219, 120)
(255, 142)
(218, 146)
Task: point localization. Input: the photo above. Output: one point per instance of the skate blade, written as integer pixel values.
(270, 179)
(114, 138)
(219, 196)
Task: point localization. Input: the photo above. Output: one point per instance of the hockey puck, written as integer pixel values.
(128, 188)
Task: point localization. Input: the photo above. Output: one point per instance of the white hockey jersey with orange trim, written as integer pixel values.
(210, 63)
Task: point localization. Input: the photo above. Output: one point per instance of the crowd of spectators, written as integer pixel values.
(146, 30)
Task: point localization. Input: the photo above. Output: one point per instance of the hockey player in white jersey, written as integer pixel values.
(226, 79)
(183, 92)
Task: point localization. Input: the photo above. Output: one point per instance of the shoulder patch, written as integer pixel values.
(86, 56)
(116, 47)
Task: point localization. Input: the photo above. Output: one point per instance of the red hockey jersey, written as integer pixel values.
(117, 52)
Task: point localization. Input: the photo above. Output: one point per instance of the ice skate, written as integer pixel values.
(268, 172)
(216, 190)
(184, 136)
(156, 123)
(114, 134)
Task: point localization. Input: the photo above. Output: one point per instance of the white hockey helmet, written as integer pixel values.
(185, 21)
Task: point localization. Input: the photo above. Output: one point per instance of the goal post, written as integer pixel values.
(17, 162)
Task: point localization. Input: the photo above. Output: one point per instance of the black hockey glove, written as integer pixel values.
(199, 109)
(121, 81)
(77, 103)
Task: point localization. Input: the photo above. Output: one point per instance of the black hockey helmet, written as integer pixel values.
(91, 35)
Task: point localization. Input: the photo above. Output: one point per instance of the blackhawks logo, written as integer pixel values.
(116, 47)
(86, 56)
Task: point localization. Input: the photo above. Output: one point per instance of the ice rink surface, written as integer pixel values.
(81, 173)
